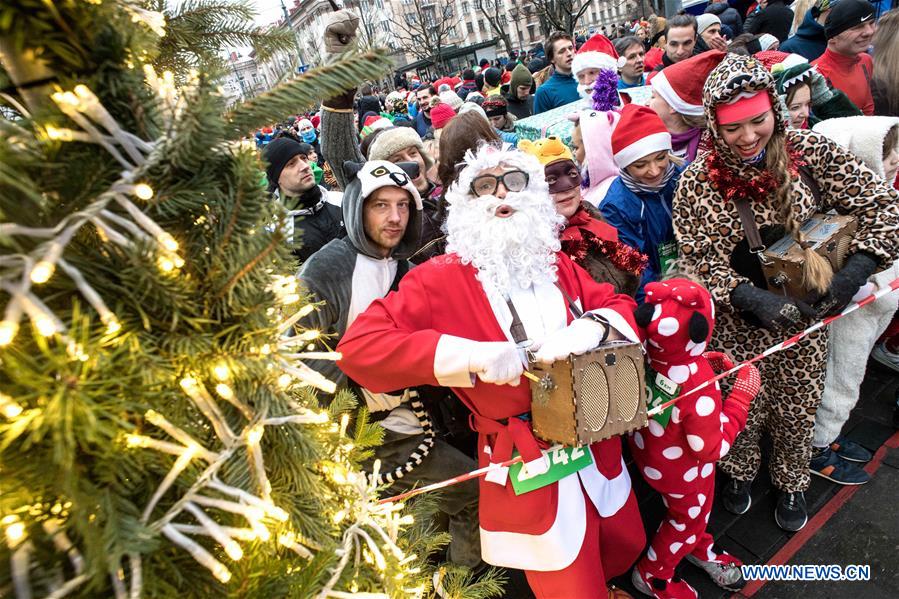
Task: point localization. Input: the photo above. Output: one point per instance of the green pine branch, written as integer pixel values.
(307, 90)
(198, 30)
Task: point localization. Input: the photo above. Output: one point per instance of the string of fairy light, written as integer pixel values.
(117, 219)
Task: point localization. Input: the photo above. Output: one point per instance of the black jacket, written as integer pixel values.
(521, 109)
(315, 222)
(776, 19)
(433, 239)
(808, 41)
(466, 88)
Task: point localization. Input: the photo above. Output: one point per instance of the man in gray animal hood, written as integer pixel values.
(351, 272)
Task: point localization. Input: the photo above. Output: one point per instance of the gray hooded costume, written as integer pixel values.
(349, 273)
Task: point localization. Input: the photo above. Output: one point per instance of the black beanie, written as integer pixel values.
(846, 15)
(278, 153)
(537, 64)
(493, 77)
(468, 74)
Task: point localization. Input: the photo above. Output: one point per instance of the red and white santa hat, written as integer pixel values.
(681, 83)
(640, 132)
(596, 53)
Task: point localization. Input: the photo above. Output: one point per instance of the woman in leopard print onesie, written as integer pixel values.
(756, 158)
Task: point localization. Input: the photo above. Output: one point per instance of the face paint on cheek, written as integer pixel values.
(566, 175)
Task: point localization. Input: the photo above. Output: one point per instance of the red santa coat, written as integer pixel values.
(420, 335)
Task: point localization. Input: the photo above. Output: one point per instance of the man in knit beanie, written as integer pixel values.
(441, 114)
(845, 63)
(403, 144)
(520, 99)
(468, 84)
(291, 180)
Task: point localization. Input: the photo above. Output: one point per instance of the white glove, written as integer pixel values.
(496, 362)
(580, 336)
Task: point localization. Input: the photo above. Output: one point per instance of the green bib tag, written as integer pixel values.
(667, 255)
(562, 462)
(661, 389)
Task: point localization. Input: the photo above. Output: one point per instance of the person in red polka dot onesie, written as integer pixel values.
(678, 458)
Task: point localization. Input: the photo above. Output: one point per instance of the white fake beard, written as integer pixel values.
(586, 91)
(516, 251)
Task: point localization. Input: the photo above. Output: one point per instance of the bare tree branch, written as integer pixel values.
(559, 15)
(424, 28)
(495, 13)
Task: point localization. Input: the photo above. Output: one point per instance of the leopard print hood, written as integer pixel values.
(737, 75)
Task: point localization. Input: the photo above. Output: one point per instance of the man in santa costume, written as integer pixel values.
(598, 54)
(460, 321)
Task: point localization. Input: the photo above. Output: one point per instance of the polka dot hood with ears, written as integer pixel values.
(676, 319)
(738, 76)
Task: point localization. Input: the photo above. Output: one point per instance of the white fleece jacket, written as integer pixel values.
(861, 135)
(852, 337)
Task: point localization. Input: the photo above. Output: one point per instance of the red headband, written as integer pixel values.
(743, 108)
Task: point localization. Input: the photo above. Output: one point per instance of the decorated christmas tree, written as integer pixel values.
(160, 435)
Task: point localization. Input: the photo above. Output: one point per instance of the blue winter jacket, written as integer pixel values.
(422, 124)
(808, 41)
(728, 16)
(556, 91)
(643, 221)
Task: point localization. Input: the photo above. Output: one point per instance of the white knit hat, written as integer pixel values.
(390, 141)
(706, 20)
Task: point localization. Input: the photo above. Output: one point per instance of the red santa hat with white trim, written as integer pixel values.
(639, 133)
(681, 83)
(596, 53)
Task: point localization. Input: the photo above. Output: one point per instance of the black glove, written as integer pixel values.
(775, 312)
(845, 284)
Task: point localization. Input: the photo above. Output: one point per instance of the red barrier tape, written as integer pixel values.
(893, 286)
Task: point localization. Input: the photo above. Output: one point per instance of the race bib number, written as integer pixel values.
(660, 389)
(667, 255)
(562, 462)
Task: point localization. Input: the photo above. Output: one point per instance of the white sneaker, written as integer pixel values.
(885, 357)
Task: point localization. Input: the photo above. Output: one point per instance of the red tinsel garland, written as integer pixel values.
(621, 255)
(735, 187)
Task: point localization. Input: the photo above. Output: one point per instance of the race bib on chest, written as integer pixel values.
(562, 462)
(667, 255)
(661, 389)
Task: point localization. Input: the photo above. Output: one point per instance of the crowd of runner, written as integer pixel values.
(666, 134)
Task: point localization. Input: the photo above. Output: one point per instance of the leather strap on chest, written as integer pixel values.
(747, 220)
(517, 330)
